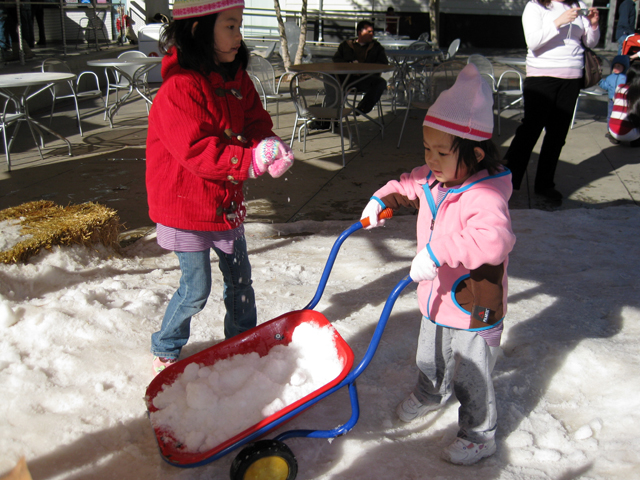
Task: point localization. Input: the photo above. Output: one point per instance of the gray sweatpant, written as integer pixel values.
(458, 361)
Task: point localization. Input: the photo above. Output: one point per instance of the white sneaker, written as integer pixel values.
(464, 452)
(411, 408)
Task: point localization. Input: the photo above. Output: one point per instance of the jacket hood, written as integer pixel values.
(622, 60)
(170, 65)
(500, 181)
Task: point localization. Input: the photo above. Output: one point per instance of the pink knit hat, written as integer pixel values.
(200, 8)
(466, 109)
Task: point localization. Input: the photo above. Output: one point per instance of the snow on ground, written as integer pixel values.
(75, 327)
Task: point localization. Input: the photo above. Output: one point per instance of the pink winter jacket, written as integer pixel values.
(468, 236)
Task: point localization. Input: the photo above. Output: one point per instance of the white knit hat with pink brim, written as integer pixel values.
(199, 8)
(466, 109)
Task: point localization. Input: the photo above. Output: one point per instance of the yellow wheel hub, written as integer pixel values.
(268, 468)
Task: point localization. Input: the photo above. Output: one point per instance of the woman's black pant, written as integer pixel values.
(549, 103)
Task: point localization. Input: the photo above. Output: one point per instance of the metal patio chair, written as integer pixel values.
(7, 119)
(123, 83)
(505, 90)
(423, 91)
(72, 88)
(593, 92)
(268, 86)
(309, 93)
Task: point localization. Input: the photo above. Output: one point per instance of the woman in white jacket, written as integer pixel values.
(555, 32)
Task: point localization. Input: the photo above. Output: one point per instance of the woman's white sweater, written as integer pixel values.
(552, 51)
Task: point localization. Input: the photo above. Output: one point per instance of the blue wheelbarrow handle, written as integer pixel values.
(386, 213)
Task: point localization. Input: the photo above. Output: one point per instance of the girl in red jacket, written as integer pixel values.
(208, 133)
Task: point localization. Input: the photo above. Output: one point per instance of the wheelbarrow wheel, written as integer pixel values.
(265, 460)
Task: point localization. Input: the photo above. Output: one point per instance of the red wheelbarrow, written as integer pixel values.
(273, 459)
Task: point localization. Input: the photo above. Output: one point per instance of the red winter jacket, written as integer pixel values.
(199, 147)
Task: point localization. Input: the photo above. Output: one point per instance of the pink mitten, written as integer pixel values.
(283, 162)
(265, 153)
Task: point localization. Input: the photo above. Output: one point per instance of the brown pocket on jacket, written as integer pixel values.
(481, 295)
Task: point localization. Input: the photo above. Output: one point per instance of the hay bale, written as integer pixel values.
(49, 224)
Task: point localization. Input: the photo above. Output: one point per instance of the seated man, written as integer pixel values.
(364, 49)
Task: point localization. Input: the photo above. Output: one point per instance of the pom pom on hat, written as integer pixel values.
(199, 8)
(466, 109)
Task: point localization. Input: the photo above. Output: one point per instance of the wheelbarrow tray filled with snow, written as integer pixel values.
(261, 340)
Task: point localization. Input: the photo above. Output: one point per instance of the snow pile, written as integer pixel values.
(11, 234)
(207, 405)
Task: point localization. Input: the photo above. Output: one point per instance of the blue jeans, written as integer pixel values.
(193, 292)
(621, 43)
(3, 42)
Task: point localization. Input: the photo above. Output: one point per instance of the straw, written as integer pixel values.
(48, 224)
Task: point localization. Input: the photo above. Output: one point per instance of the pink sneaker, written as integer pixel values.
(160, 363)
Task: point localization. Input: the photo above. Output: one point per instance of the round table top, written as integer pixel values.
(123, 62)
(511, 60)
(342, 68)
(413, 53)
(29, 79)
(395, 43)
(390, 36)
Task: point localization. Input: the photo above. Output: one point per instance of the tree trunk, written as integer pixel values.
(283, 36)
(303, 32)
(434, 14)
(286, 58)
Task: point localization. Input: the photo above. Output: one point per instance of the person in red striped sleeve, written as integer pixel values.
(624, 124)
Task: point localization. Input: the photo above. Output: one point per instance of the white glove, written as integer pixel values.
(371, 211)
(422, 267)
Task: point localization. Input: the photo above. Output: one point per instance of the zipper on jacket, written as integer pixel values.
(435, 210)
(435, 213)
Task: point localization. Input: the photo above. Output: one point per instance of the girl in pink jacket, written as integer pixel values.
(464, 238)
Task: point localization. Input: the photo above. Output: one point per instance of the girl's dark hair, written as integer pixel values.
(633, 94)
(467, 156)
(546, 3)
(197, 52)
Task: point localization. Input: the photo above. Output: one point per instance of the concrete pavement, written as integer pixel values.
(108, 165)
